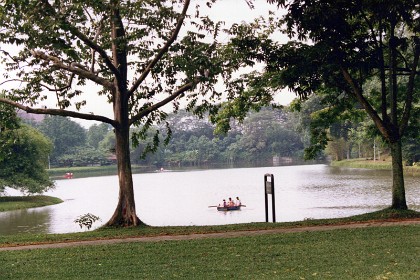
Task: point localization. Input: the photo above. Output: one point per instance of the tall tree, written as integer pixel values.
(338, 46)
(355, 41)
(96, 133)
(64, 133)
(130, 50)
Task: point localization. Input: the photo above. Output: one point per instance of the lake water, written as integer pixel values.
(182, 198)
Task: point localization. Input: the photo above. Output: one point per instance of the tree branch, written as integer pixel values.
(366, 105)
(162, 51)
(59, 112)
(82, 37)
(98, 31)
(62, 88)
(162, 103)
(76, 70)
(410, 89)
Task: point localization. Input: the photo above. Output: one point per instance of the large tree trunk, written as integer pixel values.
(398, 189)
(125, 213)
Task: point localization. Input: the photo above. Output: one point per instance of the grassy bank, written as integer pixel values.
(378, 164)
(9, 203)
(92, 171)
(368, 253)
(107, 233)
(87, 171)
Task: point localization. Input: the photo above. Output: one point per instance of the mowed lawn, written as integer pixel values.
(368, 253)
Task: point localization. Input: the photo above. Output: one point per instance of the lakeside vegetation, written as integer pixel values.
(91, 171)
(8, 203)
(378, 164)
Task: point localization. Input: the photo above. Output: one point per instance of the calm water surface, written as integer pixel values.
(182, 198)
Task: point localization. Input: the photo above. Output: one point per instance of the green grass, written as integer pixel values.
(8, 203)
(369, 253)
(107, 233)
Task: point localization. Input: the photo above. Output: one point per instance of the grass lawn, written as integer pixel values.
(8, 203)
(368, 253)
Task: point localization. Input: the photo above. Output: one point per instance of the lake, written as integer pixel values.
(182, 198)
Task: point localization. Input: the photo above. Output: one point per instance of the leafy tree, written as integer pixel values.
(131, 51)
(9, 122)
(84, 156)
(96, 133)
(336, 48)
(8, 118)
(23, 160)
(65, 135)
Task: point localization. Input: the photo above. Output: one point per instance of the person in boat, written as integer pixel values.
(238, 201)
(230, 202)
(224, 203)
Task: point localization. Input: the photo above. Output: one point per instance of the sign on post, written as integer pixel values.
(269, 189)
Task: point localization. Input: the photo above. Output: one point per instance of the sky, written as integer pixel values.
(229, 11)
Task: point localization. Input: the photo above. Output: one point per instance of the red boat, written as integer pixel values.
(68, 175)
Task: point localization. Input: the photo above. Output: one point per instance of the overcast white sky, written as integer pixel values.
(229, 11)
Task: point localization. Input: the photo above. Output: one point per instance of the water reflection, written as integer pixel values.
(26, 220)
(182, 198)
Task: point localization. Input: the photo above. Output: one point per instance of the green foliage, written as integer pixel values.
(335, 49)
(8, 118)
(65, 135)
(84, 156)
(86, 220)
(96, 133)
(24, 160)
(259, 137)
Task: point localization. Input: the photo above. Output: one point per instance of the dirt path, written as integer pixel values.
(212, 235)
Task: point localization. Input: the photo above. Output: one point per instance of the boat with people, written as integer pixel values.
(229, 205)
(229, 208)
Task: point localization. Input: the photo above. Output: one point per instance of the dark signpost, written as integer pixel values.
(269, 189)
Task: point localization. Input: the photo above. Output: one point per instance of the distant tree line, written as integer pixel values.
(257, 139)
(284, 133)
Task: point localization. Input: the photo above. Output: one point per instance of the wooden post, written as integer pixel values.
(269, 189)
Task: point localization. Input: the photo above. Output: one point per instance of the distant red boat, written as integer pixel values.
(68, 175)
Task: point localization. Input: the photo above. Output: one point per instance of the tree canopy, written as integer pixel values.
(336, 49)
(23, 156)
(131, 54)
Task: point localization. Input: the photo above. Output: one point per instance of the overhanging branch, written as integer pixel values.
(59, 112)
(162, 103)
(366, 105)
(73, 30)
(73, 68)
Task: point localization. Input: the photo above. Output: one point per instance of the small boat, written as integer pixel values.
(228, 208)
(68, 175)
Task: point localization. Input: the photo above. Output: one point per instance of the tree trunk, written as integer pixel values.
(398, 189)
(125, 213)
